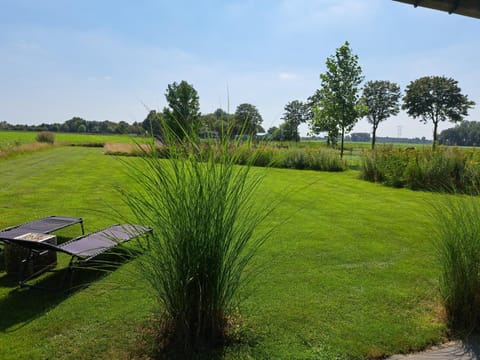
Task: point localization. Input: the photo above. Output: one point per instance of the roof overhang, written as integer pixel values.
(462, 7)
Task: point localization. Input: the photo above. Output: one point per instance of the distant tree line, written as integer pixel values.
(467, 133)
(80, 125)
(182, 116)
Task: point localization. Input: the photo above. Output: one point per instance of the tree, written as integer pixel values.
(296, 113)
(73, 124)
(467, 133)
(247, 120)
(183, 113)
(322, 122)
(382, 100)
(339, 105)
(318, 124)
(436, 98)
(122, 127)
(153, 123)
(219, 122)
(274, 133)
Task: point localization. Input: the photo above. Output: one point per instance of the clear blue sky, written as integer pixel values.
(112, 60)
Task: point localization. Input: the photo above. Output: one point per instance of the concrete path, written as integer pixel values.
(450, 351)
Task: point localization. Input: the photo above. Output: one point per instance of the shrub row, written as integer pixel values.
(257, 155)
(443, 170)
(292, 158)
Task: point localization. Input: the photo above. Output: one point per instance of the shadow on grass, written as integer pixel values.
(23, 305)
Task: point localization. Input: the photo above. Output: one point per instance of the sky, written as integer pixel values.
(112, 60)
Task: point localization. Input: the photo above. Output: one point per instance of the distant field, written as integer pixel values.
(9, 138)
(14, 138)
(348, 273)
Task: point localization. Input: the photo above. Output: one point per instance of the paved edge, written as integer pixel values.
(453, 350)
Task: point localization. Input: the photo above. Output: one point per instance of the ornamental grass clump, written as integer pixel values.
(457, 244)
(311, 159)
(202, 210)
(45, 137)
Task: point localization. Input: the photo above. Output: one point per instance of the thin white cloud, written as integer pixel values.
(25, 45)
(99, 78)
(287, 76)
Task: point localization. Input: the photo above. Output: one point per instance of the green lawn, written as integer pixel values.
(13, 138)
(347, 273)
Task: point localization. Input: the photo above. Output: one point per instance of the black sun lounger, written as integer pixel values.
(85, 247)
(44, 225)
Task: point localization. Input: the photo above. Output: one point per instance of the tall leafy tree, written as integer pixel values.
(339, 95)
(182, 115)
(435, 99)
(382, 98)
(247, 120)
(296, 113)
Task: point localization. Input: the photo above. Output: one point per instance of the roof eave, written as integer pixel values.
(469, 8)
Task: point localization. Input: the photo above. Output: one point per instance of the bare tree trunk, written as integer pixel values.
(341, 150)
(435, 126)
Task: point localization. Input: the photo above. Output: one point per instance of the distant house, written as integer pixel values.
(360, 137)
(209, 134)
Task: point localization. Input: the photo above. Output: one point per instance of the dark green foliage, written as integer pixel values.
(457, 243)
(153, 123)
(247, 120)
(435, 99)
(79, 125)
(382, 100)
(274, 134)
(219, 122)
(318, 124)
(295, 114)
(445, 170)
(46, 137)
(183, 113)
(467, 133)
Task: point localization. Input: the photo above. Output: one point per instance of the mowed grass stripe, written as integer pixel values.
(348, 270)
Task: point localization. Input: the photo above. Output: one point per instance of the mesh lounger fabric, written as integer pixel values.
(88, 246)
(45, 225)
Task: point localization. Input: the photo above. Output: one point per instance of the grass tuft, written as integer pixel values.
(45, 137)
(200, 205)
(457, 244)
